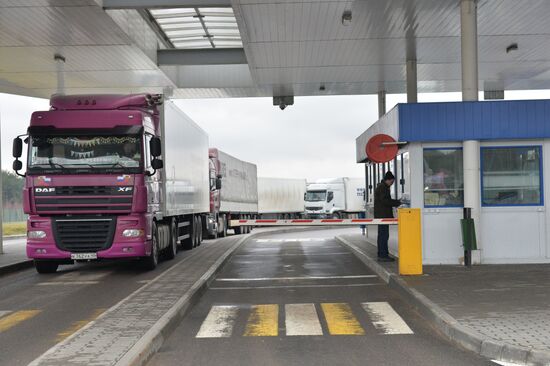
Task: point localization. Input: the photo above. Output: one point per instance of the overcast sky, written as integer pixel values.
(314, 138)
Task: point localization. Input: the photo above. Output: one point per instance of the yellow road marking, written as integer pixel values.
(263, 321)
(340, 319)
(75, 326)
(13, 319)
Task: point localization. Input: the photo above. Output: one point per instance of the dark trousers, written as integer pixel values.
(382, 240)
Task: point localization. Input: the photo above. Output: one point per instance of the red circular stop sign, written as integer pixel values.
(377, 152)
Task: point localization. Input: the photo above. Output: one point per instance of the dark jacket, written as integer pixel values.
(383, 203)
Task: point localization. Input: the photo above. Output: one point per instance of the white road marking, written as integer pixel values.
(294, 286)
(293, 278)
(219, 322)
(302, 320)
(385, 318)
(292, 255)
(504, 363)
(67, 283)
(4, 312)
(289, 240)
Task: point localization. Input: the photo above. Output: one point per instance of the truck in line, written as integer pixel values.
(281, 198)
(237, 195)
(335, 198)
(113, 176)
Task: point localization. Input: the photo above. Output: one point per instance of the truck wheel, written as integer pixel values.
(187, 244)
(223, 232)
(150, 262)
(172, 249)
(200, 229)
(239, 229)
(196, 233)
(336, 215)
(45, 267)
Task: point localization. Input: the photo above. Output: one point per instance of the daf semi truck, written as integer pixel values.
(335, 198)
(113, 177)
(235, 197)
(281, 198)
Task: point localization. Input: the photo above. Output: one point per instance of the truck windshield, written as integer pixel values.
(316, 196)
(119, 153)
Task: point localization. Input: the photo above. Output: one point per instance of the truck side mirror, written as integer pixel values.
(17, 165)
(218, 183)
(155, 147)
(157, 164)
(330, 196)
(17, 148)
(305, 195)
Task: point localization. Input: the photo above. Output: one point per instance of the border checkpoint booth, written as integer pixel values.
(429, 168)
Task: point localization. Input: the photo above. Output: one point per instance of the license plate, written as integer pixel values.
(83, 255)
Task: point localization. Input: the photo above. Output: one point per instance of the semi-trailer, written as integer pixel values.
(281, 198)
(113, 176)
(335, 198)
(237, 195)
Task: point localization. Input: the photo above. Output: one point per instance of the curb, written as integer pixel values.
(17, 236)
(17, 266)
(449, 326)
(153, 340)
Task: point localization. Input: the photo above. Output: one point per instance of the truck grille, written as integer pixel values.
(83, 199)
(313, 208)
(84, 234)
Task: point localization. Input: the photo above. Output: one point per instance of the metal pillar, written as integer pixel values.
(412, 87)
(381, 103)
(469, 62)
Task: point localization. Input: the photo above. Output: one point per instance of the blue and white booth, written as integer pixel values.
(514, 155)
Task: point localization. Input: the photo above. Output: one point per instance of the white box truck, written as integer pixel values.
(281, 198)
(335, 198)
(235, 197)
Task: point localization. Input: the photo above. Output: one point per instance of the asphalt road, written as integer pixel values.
(303, 299)
(38, 311)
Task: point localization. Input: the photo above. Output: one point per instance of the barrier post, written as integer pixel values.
(409, 241)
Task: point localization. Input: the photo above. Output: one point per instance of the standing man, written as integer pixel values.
(383, 209)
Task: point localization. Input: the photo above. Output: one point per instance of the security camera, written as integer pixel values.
(283, 101)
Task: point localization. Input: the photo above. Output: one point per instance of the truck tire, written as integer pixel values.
(200, 228)
(187, 244)
(196, 234)
(172, 249)
(223, 222)
(151, 261)
(239, 229)
(43, 267)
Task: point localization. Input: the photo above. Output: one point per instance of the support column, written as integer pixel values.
(412, 87)
(471, 148)
(60, 71)
(381, 103)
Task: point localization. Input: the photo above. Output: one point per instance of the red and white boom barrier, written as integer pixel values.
(313, 222)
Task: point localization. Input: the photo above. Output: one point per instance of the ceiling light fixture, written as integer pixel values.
(346, 17)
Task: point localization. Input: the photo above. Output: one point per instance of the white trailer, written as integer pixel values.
(281, 198)
(185, 185)
(237, 195)
(335, 198)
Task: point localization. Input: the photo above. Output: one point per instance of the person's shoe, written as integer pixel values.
(386, 259)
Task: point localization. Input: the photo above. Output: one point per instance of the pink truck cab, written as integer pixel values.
(94, 183)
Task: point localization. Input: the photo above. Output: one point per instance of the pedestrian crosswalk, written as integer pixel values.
(303, 319)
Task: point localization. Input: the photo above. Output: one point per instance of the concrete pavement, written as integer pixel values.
(303, 299)
(14, 256)
(500, 311)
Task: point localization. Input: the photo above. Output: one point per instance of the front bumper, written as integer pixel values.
(121, 247)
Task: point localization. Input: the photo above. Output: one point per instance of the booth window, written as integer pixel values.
(443, 178)
(511, 176)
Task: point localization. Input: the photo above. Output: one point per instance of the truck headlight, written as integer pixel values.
(132, 233)
(36, 234)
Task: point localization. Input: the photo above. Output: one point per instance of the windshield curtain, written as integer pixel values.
(316, 196)
(119, 152)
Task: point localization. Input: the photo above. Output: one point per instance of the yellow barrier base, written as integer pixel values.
(410, 241)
